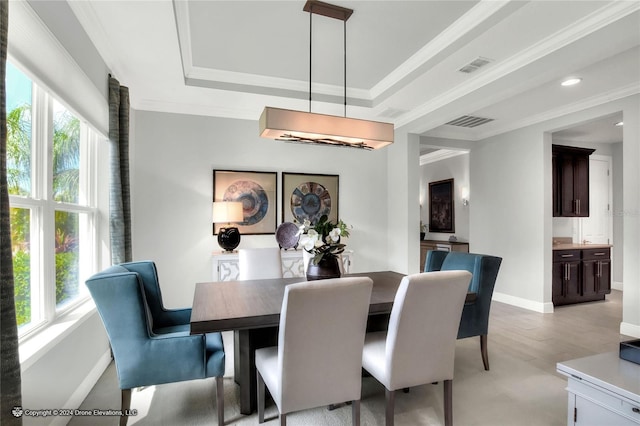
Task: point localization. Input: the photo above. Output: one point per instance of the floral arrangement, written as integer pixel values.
(323, 239)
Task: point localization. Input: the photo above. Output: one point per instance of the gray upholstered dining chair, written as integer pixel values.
(475, 314)
(259, 263)
(419, 345)
(151, 344)
(318, 359)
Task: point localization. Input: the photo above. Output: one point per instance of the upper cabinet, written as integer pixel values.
(570, 181)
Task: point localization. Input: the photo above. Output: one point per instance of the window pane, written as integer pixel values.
(18, 131)
(20, 247)
(66, 155)
(67, 257)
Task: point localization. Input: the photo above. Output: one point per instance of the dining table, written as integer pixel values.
(251, 309)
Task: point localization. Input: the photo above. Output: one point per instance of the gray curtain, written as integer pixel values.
(10, 381)
(119, 199)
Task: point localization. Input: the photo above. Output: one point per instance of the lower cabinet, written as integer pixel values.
(581, 275)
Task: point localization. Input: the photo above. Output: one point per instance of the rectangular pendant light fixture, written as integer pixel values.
(307, 127)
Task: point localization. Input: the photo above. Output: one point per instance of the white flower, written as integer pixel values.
(307, 242)
(313, 233)
(319, 243)
(335, 234)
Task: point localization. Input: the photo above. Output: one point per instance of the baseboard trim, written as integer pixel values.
(545, 308)
(616, 285)
(632, 330)
(84, 388)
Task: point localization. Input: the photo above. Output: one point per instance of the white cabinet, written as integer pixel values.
(602, 390)
(225, 265)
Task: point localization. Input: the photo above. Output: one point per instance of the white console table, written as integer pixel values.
(225, 265)
(603, 390)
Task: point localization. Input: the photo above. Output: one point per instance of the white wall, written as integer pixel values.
(457, 168)
(173, 158)
(511, 174)
(618, 234)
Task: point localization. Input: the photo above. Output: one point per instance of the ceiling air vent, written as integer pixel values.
(469, 121)
(474, 65)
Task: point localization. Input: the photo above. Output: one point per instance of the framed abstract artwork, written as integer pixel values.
(309, 196)
(441, 214)
(257, 191)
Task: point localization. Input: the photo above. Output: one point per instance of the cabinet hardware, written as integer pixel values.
(635, 410)
(578, 206)
(599, 254)
(566, 255)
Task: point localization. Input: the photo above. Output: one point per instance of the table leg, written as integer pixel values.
(245, 344)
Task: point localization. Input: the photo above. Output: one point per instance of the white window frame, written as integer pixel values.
(42, 207)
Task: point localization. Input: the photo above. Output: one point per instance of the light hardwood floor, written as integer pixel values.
(522, 387)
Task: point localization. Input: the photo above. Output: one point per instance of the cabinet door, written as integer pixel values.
(567, 200)
(604, 277)
(581, 186)
(590, 270)
(566, 282)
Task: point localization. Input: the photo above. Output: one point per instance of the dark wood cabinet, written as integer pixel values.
(570, 181)
(580, 275)
(596, 272)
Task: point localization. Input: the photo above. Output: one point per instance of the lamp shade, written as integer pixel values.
(306, 127)
(227, 212)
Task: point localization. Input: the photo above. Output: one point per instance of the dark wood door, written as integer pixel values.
(567, 201)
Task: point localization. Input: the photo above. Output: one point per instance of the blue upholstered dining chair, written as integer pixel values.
(151, 345)
(475, 315)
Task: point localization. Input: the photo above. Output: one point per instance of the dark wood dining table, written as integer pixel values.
(252, 310)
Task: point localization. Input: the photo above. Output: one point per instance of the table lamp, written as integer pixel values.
(227, 212)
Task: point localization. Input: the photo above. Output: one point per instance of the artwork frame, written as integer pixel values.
(294, 192)
(259, 194)
(441, 208)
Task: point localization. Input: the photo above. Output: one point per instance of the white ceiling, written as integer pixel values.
(231, 58)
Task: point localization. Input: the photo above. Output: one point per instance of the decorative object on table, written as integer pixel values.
(225, 212)
(321, 129)
(287, 235)
(423, 230)
(630, 351)
(322, 241)
(257, 191)
(441, 214)
(309, 197)
(453, 239)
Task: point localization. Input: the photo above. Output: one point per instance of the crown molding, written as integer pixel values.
(195, 109)
(86, 13)
(583, 27)
(463, 25)
(593, 101)
(441, 154)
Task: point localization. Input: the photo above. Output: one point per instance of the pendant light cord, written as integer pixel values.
(345, 67)
(310, 51)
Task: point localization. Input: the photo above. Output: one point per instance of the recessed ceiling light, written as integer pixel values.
(571, 81)
(619, 123)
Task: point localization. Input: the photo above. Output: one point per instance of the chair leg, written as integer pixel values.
(390, 396)
(125, 402)
(220, 399)
(483, 349)
(355, 412)
(448, 403)
(260, 397)
(283, 419)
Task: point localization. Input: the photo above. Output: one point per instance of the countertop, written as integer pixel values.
(606, 371)
(576, 246)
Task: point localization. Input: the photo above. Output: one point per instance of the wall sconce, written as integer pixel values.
(227, 212)
(464, 192)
